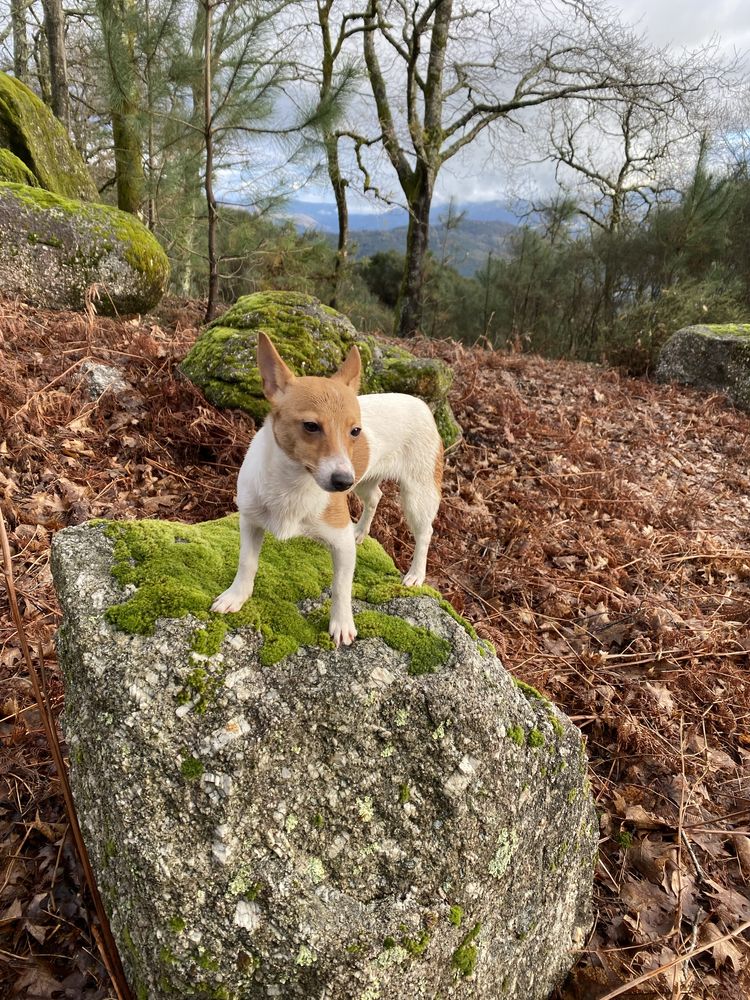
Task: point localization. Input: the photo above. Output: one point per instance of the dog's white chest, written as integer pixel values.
(276, 493)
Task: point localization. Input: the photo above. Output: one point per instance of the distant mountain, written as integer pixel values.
(322, 215)
(465, 248)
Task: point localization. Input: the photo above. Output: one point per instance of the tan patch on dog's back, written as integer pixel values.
(336, 514)
(360, 456)
(439, 468)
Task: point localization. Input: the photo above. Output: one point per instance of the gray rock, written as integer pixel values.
(327, 826)
(56, 251)
(713, 358)
(102, 378)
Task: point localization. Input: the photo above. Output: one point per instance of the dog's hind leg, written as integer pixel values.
(369, 493)
(420, 502)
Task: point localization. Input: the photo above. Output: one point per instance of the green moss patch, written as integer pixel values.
(465, 957)
(14, 170)
(30, 131)
(178, 569)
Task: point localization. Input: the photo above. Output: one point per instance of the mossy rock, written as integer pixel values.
(14, 170)
(313, 339)
(30, 131)
(56, 248)
(268, 816)
(715, 358)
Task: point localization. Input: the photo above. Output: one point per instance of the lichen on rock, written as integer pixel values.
(715, 358)
(58, 248)
(313, 339)
(322, 822)
(30, 131)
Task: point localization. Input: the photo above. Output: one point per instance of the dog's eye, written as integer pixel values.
(311, 427)
(355, 431)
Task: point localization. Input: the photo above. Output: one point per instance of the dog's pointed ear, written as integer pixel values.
(351, 370)
(275, 374)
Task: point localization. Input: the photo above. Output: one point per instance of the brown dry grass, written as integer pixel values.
(597, 529)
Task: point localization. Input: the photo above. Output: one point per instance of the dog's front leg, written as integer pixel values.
(344, 553)
(251, 539)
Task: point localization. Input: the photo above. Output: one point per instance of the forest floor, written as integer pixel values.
(595, 528)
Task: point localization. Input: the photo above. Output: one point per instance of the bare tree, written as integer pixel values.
(465, 68)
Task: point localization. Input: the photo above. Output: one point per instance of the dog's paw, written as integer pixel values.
(342, 632)
(413, 579)
(230, 601)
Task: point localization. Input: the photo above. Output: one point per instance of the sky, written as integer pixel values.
(478, 176)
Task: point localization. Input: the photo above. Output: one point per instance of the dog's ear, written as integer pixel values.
(275, 374)
(350, 371)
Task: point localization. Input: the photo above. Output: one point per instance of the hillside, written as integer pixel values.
(595, 528)
(465, 248)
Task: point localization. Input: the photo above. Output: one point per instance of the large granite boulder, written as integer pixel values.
(313, 339)
(270, 817)
(55, 249)
(714, 358)
(30, 131)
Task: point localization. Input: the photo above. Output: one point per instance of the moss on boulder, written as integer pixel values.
(14, 170)
(30, 131)
(715, 358)
(56, 248)
(345, 822)
(313, 339)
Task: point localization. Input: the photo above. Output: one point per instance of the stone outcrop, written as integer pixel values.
(30, 132)
(313, 339)
(55, 249)
(712, 358)
(270, 817)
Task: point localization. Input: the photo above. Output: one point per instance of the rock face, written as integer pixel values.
(313, 339)
(30, 131)
(714, 358)
(269, 817)
(54, 249)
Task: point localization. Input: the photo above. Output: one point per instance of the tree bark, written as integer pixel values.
(410, 303)
(213, 264)
(124, 104)
(20, 41)
(54, 23)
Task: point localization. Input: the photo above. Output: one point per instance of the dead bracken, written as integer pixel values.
(594, 528)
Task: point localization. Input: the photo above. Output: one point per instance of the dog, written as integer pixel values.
(320, 441)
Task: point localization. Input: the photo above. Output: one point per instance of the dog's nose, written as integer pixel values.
(341, 481)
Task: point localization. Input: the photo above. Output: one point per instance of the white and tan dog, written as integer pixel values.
(318, 442)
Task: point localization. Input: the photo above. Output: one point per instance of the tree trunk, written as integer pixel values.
(338, 183)
(124, 103)
(213, 264)
(128, 166)
(410, 297)
(41, 59)
(54, 23)
(20, 41)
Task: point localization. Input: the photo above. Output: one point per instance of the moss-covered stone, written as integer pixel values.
(714, 358)
(178, 569)
(58, 248)
(313, 339)
(30, 131)
(321, 805)
(15, 171)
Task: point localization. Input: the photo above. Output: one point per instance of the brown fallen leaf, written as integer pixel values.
(723, 951)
